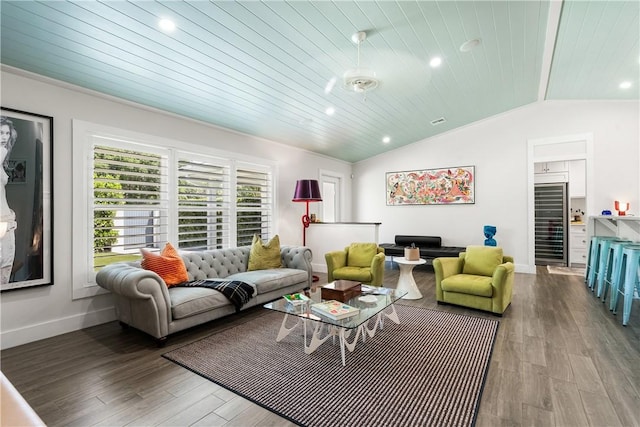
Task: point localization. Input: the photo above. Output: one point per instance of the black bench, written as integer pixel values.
(430, 247)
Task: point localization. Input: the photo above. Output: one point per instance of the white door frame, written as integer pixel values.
(334, 177)
(558, 148)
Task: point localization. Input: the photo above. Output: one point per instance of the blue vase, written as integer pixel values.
(489, 232)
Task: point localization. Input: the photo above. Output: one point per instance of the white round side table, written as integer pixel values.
(406, 282)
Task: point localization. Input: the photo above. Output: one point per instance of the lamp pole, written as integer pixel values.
(305, 224)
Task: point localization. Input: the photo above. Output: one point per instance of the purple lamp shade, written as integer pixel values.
(307, 190)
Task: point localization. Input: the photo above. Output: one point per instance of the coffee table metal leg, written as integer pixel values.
(379, 322)
(284, 331)
(343, 334)
(316, 340)
(344, 343)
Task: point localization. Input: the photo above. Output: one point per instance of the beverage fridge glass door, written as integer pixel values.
(551, 224)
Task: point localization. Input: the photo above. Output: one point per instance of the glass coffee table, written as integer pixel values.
(376, 305)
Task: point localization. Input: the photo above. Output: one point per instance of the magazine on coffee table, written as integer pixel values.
(375, 290)
(335, 310)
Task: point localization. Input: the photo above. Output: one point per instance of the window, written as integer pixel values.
(203, 204)
(129, 203)
(135, 191)
(253, 204)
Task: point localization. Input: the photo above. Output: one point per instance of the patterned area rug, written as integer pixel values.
(427, 371)
(567, 271)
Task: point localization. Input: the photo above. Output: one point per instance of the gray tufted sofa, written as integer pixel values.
(142, 299)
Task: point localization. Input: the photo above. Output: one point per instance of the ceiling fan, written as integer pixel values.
(359, 79)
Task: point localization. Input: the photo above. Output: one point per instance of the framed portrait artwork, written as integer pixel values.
(444, 186)
(26, 236)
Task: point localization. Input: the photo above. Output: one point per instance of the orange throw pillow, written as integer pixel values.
(168, 265)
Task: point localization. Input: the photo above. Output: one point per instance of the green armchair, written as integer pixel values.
(480, 278)
(362, 262)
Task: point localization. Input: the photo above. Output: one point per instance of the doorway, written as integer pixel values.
(553, 149)
(331, 190)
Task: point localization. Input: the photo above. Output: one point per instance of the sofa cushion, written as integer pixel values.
(168, 265)
(482, 260)
(361, 254)
(468, 284)
(272, 279)
(186, 302)
(264, 255)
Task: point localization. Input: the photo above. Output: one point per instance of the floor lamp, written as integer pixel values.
(307, 190)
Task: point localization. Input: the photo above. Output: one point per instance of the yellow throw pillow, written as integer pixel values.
(264, 255)
(168, 265)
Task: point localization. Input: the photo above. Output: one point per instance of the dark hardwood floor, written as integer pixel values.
(560, 358)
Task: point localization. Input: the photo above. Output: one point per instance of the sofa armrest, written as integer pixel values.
(335, 260)
(129, 281)
(141, 296)
(445, 267)
(298, 257)
(502, 283)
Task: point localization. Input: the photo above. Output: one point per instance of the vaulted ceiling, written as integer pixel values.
(273, 68)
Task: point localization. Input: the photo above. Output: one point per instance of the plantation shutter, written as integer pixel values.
(203, 203)
(254, 203)
(129, 202)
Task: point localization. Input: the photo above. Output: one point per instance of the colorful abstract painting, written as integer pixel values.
(446, 186)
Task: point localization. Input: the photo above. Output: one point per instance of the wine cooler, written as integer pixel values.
(551, 224)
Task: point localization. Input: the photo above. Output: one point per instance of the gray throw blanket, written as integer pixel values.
(236, 291)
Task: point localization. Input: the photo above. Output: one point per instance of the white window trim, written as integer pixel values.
(83, 280)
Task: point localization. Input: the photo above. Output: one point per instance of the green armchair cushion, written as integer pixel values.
(469, 284)
(361, 254)
(482, 260)
(359, 274)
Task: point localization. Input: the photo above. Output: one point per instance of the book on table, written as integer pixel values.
(335, 310)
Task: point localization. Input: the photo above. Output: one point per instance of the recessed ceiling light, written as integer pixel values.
(625, 85)
(386, 139)
(435, 62)
(166, 25)
(329, 111)
(469, 44)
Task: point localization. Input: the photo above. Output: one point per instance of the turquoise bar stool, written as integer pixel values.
(628, 282)
(604, 263)
(594, 259)
(612, 275)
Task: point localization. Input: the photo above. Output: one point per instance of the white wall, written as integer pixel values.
(498, 149)
(34, 313)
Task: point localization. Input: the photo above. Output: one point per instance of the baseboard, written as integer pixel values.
(31, 333)
(525, 268)
(319, 267)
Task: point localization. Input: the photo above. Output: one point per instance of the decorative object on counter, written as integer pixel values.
(411, 253)
(606, 212)
(621, 207)
(307, 190)
(576, 215)
(489, 232)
